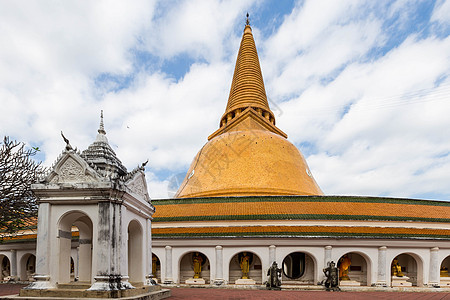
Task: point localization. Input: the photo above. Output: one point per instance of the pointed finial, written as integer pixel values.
(102, 127)
(68, 146)
(247, 22)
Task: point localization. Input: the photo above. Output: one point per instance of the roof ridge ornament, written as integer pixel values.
(101, 130)
(68, 146)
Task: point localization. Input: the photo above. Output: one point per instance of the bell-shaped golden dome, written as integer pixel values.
(248, 155)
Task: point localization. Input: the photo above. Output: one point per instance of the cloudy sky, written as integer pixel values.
(362, 88)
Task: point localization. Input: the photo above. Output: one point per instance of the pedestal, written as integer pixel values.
(219, 282)
(195, 281)
(400, 281)
(245, 281)
(349, 283)
(110, 283)
(445, 282)
(42, 282)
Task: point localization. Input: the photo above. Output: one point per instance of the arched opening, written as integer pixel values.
(298, 268)
(5, 267)
(444, 272)
(404, 268)
(135, 253)
(194, 266)
(27, 267)
(70, 225)
(156, 268)
(353, 269)
(245, 266)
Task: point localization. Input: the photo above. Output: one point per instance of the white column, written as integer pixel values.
(272, 254)
(168, 279)
(42, 276)
(124, 246)
(381, 272)
(85, 260)
(14, 264)
(219, 266)
(326, 259)
(327, 255)
(434, 279)
(148, 246)
(109, 249)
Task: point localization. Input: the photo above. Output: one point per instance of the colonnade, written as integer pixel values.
(17, 265)
(423, 265)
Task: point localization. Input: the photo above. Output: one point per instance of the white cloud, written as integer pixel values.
(374, 117)
(161, 117)
(199, 28)
(441, 12)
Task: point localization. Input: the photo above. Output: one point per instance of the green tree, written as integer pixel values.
(18, 170)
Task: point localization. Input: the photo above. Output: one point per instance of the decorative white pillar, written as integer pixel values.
(109, 249)
(148, 246)
(14, 264)
(326, 258)
(327, 255)
(434, 279)
(381, 273)
(168, 279)
(219, 266)
(43, 253)
(272, 254)
(84, 260)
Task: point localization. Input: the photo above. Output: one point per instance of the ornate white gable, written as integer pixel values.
(71, 168)
(138, 186)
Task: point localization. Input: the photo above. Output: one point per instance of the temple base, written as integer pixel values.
(110, 283)
(219, 282)
(42, 282)
(146, 292)
(195, 281)
(245, 281)
(349, 283)
(445, 281)
(400, 281)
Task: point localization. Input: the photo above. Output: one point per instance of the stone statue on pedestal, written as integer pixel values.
(332, 279)
(274, 274)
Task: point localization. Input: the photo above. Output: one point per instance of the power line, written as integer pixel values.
(409, 98)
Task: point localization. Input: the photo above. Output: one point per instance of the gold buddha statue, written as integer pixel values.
(344, 266)
(245, 265)
(197, 261)
(396, 268)
(154, 262)
(444, 272)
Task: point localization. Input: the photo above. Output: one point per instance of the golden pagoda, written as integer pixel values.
(248, 155)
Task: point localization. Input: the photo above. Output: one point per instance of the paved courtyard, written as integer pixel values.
(237, 294)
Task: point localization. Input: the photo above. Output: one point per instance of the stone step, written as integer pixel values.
(79, 285)
(143, 293)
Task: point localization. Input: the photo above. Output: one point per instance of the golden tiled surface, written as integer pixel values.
(247, 88)
(241, 163)
(289, 210)
(302, 229)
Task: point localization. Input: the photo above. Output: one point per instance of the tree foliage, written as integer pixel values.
(18, 171)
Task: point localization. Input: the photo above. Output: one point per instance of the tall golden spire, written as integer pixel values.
(247, 88)
(248, 155)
